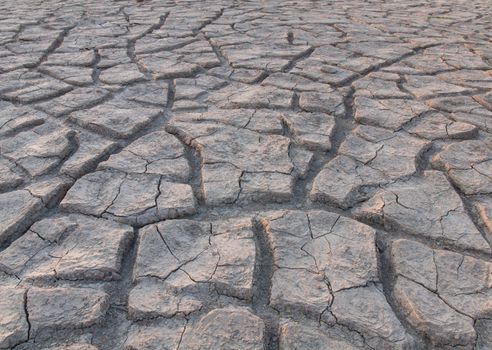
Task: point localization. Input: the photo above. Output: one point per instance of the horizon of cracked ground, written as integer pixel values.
(245, 175)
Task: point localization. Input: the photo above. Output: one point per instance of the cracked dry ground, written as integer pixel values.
(245, 175)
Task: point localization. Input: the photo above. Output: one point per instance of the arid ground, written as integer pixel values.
(245, 175)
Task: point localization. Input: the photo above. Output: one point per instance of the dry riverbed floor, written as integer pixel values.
(246, 175)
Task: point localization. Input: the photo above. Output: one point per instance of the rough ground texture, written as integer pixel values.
(272, 175)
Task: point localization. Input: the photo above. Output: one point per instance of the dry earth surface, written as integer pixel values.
(245, 175)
